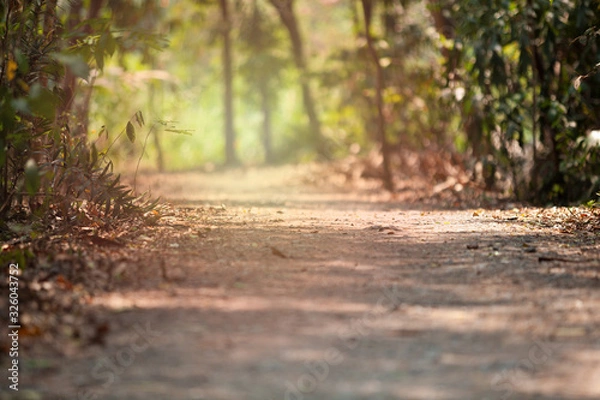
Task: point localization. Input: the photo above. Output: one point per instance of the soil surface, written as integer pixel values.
(260, 284)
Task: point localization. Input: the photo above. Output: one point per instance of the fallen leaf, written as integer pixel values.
(100, 241)
(277, 253)
(64, 283)
(100, 332)
(30, 330)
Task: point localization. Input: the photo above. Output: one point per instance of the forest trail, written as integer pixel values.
(261, 286)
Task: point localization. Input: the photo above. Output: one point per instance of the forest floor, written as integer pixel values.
(267, 284)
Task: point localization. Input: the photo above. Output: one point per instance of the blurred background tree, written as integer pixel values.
(262, 67)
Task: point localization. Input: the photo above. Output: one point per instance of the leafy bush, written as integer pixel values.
(530, 92)
(48, 170)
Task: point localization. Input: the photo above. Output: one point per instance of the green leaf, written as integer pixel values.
(32, 177)
(75, 63)
(99, 57)
(130, 130)
(22, 61)
(94, 155)
(139, 117)
(106, 44)
(111, 44)
(42, 102)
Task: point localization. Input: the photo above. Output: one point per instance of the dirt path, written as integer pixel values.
(265, 288)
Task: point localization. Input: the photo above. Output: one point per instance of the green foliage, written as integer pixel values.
(415, 107)
(27, 105)
(19, 256)
(48, 171)
(527, 71)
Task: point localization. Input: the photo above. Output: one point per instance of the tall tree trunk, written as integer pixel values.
(70, 80)
(50, 18)
(546, 164)
(285, 9)
(69, 88)
(230, 156)
(388, 182)
(82, 110)
(266, 111)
